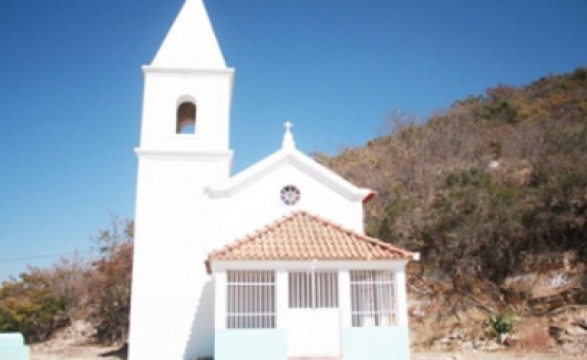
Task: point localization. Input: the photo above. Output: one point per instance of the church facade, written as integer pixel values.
(271, 263)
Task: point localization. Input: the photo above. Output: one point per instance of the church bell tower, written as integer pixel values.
(184, 148)
(188, 89)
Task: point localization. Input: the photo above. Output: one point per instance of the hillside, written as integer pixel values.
(477, 185)
(493, 193)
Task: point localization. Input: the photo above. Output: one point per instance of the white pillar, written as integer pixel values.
(220, 296)
(281, 299)
(401, 297)
(344, 298)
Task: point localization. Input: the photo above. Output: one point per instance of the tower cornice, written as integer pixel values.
(187, 154)
(174, 70)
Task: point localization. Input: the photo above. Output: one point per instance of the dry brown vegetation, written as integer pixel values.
(97, 288)
(475, 189)
(476, 186)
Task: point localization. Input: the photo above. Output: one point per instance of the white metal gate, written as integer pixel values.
(313, 316)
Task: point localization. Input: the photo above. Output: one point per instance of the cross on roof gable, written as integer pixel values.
(302, 236)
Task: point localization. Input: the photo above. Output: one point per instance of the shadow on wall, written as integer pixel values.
(201, 340)
(120, 353)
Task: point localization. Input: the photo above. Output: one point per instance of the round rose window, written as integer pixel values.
(290, 195)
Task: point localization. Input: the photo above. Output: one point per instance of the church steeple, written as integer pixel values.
(188, 89)
(191, 42)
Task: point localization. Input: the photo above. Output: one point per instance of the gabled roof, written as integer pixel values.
(302, 236)
(288, 154)
(191, 42)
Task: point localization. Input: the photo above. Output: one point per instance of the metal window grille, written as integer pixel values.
(313, 289)
(372, 298)
(250, 299)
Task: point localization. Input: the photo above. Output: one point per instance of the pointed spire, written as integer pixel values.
(288, 140)
(191, 42)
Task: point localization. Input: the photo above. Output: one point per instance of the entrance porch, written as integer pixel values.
(310, 312)
(306, 289)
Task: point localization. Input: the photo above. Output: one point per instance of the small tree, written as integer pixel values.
(29, 305)
(110, 282)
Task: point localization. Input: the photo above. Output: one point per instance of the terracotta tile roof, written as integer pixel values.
(301, 236)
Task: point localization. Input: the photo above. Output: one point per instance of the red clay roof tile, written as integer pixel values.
(301, 236)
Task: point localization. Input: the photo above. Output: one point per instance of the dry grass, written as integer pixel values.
(533, 339)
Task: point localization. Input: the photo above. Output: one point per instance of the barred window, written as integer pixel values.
(372, 298)
(313, 289)
(250, 299)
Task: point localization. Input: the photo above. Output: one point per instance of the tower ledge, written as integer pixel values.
(170, 70)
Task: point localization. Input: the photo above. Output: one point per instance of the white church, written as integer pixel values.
(269, 264)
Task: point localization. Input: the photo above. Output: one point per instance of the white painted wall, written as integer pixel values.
(170, 247)
(259, 204)
(178, 224)
(172, 296)
(177, 220)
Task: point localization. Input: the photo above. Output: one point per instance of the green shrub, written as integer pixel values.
(501, 325)
(28, 305)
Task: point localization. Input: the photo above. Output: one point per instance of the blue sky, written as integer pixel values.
(71, 88)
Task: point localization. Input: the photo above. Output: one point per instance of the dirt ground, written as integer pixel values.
(496, 355)
(110, 353)
(39, 352)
